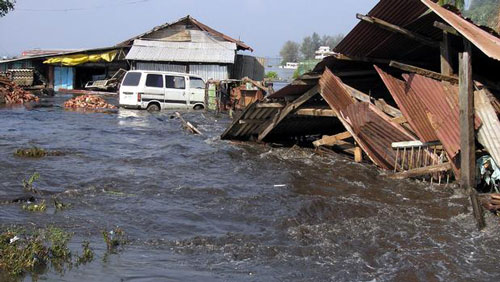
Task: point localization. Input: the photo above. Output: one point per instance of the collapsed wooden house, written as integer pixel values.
(401, 88)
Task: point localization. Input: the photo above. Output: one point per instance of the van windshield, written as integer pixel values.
(132, 79)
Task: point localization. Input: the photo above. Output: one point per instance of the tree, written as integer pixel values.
(272, 75)
(331, 41)
(290, 52)
(460, 4)
(308, 48)
(485, 12)
(6, 6)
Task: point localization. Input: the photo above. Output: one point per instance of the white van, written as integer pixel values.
(156, 90)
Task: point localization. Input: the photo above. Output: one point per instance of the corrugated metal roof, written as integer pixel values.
(410, 105)
(201, 26)
(366, 38)
(370, 127)
(486, 42)
(338, 97)
(441, 101)
(489, 132)
(215, 52)
(376, 132)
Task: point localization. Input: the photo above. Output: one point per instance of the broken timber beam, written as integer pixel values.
(332, 140)
(381, 104)
(316, 112)
(281, 114)
(424, 72)
(421, 171)
(397, 29)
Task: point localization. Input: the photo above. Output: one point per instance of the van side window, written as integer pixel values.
(154, 80)
(175, 82)
(132, 79)
(197, 83)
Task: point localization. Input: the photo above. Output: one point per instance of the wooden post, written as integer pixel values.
(446, 67)
(467, 137)
(358, 155)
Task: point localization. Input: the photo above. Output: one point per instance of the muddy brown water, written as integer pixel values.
(200, 209)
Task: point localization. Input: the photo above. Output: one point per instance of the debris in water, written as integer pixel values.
(91, 102)
(114, 239)
(87, 254)
(11, 93)
(41, 207)
(187, 125)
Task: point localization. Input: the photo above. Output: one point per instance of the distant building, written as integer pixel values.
(189, 46)
(186, 45)
(290, 66)
(323, 52)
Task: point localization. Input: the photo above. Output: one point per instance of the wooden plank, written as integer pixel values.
(332, 140)
(411, 144)
(251, 121)
(386, 108)
(316, 112)
(446, 28)
(423, 72)
(270, 105)
(421, 171)
(287, 110)
(397, 29)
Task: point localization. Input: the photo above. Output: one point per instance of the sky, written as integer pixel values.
(264, 25)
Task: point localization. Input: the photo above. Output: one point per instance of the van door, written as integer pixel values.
(196, 91)
(175, 92)
(153, 89)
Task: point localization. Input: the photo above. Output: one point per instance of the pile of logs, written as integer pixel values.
(90, 102)
(11, 93)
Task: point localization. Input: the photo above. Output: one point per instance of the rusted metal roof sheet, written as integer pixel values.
(489, 132)
(410, 105)
(338, 97)
(377, 133)
(486, 42)
(290, 90)
(370, 127)
(441, 101)
(367, 39)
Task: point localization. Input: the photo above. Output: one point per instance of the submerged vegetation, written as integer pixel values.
(35, 152)
(32, 207)
(23, 252)
(114, 239)
(28, 183)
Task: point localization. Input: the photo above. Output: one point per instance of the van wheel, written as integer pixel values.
(198, 107)
(153, 108)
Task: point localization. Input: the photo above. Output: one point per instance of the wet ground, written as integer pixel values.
(196, 208)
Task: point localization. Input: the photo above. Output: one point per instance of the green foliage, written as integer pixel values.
(87, 254)
(28, 184)
(290, 52)
(26, 252)
(6, 6)
(41, 207)
(114, 239)
(36, 152)
(460, 4)
(272, 75)
(485, 12)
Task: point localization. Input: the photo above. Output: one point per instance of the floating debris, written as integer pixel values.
(90, 102)
(114, 239)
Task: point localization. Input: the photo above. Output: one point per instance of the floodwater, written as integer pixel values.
(196, 208)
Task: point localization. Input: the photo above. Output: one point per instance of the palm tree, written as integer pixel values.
(460, 4)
